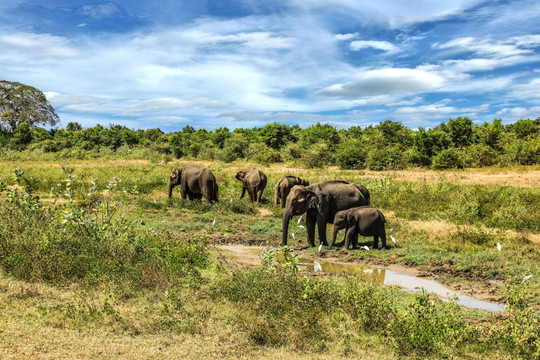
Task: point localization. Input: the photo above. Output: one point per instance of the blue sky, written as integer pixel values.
(246, 63)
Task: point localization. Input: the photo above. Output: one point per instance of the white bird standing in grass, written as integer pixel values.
(392, 237)
(526, 278)
(301, 226)
(299, 219)
(214, 222)
(499, 246)
(365, 247)
(292, 235)
(320, 248)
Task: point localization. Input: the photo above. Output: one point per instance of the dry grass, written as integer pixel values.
(28, 333)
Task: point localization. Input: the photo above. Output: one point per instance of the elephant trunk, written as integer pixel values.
(287, 216)
(171, 186)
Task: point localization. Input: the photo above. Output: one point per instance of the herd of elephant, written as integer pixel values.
(338, 202)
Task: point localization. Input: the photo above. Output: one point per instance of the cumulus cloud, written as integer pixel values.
(385, 81)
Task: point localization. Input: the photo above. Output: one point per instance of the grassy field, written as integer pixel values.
(104, 265)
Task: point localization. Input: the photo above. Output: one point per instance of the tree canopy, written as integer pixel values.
(21, 103)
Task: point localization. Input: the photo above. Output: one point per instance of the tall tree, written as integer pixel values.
(23, 103)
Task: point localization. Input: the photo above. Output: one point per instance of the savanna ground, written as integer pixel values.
(162, 288)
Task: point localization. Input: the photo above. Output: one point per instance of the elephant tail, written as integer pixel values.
(215, 190)
(382, 216)
(277, 195)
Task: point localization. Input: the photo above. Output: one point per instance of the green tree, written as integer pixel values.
(460, 131)
(277, 135)
(219, 136)
(21, 103)
(319, 133)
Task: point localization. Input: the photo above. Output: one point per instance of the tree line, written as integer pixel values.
(457, 143)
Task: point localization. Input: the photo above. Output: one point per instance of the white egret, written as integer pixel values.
(299, 219)
(292, 235)
(365, 247)
(320, 247)
(499, 246)
(526, 278)
(214, 222)
(393, 240)
(301, 226)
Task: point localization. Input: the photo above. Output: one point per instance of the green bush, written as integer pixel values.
(520, 334)
(429, 328)
(447, 159)
(66, 243)
(386, 158)
(351, 155)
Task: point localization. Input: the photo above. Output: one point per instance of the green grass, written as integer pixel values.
(137, 263)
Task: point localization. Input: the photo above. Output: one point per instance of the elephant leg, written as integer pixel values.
(375, 241)
(349, 237)
(183, 193)
(310, 226)
(321, 224)
(259, 195)
(383, 238)
(251, 195)
(355, 240)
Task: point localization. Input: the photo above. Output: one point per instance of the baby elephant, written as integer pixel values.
(363, 220)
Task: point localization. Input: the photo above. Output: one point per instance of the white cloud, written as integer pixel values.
(528, 90)
(395, 13)
(344, 37)
(518, 113)
(386, 81)
(436, 111)
(43, 45)
(379, 45)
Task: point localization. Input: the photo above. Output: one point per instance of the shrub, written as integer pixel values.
(428, 328)
(386, 158)
(262, 154)
(351, 155)
(318, 156)
(67, 243)
(447, 158)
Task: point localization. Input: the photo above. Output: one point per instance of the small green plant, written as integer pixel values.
(428, 328)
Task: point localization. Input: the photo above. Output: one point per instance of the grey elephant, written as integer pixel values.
(254, 182)
(365, 221)
(195, 182)
(321, 201)
(284, 186)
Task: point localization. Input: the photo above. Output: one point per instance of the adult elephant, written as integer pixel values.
(365, 221)
(195, 182)
(254, 181)
(284, 186)
(321, 201)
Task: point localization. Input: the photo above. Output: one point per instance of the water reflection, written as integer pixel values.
(380, 276)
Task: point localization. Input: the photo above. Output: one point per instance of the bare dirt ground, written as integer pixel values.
(486, 176)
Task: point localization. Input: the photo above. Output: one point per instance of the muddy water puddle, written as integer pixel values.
(379, 275)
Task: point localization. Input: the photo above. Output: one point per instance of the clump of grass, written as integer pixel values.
(429, 328)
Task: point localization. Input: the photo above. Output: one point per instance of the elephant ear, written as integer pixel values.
(313, 201)
(175, 174)
(350, 218)
(240, 175)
